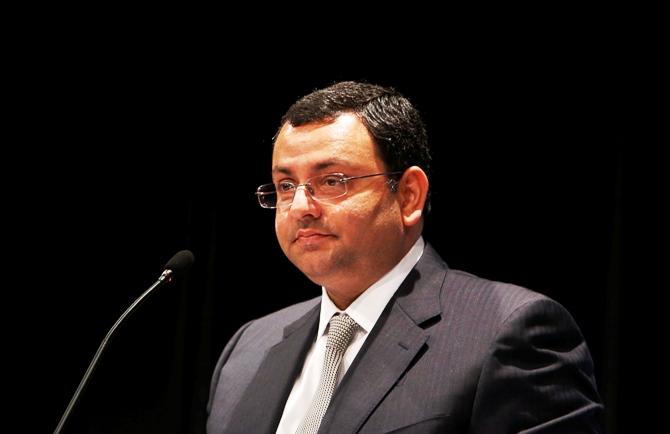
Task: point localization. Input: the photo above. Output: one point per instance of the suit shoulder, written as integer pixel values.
(270, 328)
(470, 282)
(289, 314)
(500, 299)
(466, 296)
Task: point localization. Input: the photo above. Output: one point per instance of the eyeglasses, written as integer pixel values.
(321, 188)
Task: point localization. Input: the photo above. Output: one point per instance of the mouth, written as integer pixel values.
(310, 236)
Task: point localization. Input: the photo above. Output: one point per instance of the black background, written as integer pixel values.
(130, 150)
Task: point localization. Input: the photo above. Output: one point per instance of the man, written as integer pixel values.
(427, 348)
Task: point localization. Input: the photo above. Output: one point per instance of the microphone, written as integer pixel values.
(176, 266)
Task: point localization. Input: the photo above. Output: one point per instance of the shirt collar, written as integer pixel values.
(368, 307)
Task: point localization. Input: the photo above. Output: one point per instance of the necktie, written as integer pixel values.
(340, 332)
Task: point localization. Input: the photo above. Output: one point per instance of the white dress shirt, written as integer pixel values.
(365, 310)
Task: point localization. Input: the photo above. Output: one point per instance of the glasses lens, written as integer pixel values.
(328, 186)
(267, 196)
(322, 187)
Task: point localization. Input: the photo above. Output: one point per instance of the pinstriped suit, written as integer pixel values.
(451, 353)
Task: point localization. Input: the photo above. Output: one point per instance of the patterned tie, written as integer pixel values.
(340, 332)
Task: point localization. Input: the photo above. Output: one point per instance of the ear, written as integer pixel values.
(412, 191)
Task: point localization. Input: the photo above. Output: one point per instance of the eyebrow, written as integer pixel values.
(317, 167)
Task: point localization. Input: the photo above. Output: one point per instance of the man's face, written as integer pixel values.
(348, 242)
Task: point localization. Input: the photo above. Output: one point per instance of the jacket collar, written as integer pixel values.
(395, 341)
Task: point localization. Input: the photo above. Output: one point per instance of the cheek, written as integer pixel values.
(375, 223)
(366, 211)
(285, 231)
(353, 223)
(280, 229)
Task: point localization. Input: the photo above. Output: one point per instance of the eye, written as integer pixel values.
(331, 180)
(285, 186)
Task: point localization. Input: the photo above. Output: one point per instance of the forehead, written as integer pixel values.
(344, 142)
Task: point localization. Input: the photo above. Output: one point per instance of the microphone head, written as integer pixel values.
(180, 262)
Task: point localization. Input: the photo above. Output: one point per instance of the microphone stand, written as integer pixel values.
(165, 277)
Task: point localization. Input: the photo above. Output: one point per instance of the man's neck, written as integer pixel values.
(342, 296)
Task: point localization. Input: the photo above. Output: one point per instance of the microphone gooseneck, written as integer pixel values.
(176, 266)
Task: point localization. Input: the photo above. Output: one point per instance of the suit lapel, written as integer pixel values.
(395, 341)
(262, 404)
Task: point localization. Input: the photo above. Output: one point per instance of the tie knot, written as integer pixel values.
(340, 331)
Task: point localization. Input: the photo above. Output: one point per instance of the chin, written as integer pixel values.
(316, 270)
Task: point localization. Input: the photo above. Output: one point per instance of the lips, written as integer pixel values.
(309, 235)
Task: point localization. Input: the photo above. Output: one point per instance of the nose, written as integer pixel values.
(304, 204)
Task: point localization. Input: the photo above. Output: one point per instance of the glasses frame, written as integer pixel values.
(308, 183)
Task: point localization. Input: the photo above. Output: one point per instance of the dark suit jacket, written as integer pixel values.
(451, 353)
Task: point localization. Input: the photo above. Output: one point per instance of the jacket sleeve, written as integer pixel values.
(537, 377)
(228, 349)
